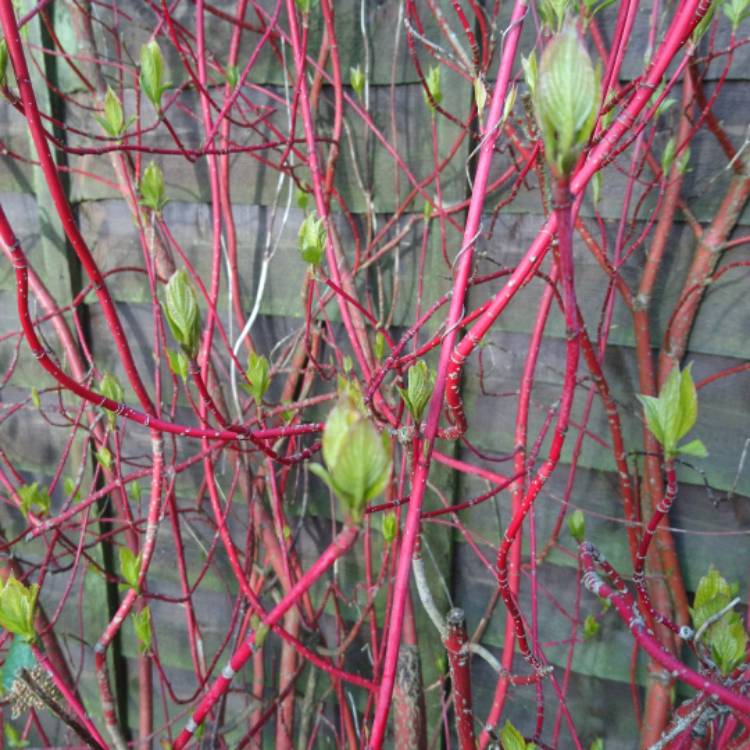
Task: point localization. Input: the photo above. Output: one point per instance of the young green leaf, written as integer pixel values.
(434, 94)
(552, 13)
(35, 400)
(232, 76)
(142, 627)
(511, 738)
(109, 387)
(420, 383)
(667, 156)
(312, 240)
(70, 489)
(389, 526)
(34, 499)
(3, 62)
(17, 603)
(257, 376)
(104, 457)
(13, 737)
(151, 188)
(178, 363)
(181, 311)
(301, 198)
(591, 627)
(728, 640)
(577, 525)
(357, 80)
(565, 98)
(357, 457)
(130, 566)
(711, 596)
(673, 413)
(113, 121)
(379, 345)
(152, 73)
(736, 11)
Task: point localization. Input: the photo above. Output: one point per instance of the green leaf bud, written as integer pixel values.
(312, 240)
(130, 566)
(181, 311)
(565, 99)
(420, 383)
(434, 94)
(257, 376)
(357, 457)
(151, 188)
(577, 525)
(152, 73)
(357, 80)
(389, 526)
(113, 122)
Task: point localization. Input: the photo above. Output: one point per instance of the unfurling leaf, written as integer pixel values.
(152, 73)
(565, 97)
(17, 603)
(511, 738)
(142, 627)
(357, 457)
(420, 382)
(577, 525)
(151, 188)
(312, 240)
(130, 566)
(257, 376)
(34, 499)
(181, 311)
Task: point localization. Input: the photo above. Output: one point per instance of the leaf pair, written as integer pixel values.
(672, 414)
